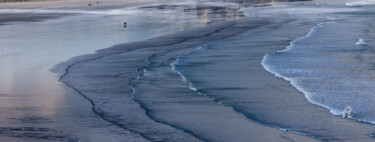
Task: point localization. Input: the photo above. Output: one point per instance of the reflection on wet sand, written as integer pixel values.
(207, 13)
(213, 11)
(34, 105)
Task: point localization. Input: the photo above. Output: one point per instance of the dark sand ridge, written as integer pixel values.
(103, 78)
(281, 104)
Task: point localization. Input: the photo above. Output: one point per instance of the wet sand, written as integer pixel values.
(173, 116)
(35, 106)
(141, 73)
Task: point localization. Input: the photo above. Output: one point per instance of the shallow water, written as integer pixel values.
(333, 65)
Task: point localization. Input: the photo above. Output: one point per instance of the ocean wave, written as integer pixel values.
(361, 42)
(332, 75)
(175, 63)
(179, 61)
(293, 82)
(361, 3)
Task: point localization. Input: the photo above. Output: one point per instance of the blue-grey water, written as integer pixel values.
(333, 65)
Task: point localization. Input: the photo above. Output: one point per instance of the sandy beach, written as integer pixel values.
(207, 77)
(212, 120)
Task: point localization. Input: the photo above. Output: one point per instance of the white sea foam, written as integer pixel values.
(146, 72)
(184, 79)
(293, 82)
(192, 87)
(361, 3)
(361, 42)
(173, 65)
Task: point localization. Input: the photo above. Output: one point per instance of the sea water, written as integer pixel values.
(333, 65)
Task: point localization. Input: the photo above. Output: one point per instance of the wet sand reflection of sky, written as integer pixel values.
(30, 94)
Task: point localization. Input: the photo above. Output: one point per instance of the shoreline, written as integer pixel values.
(348, 126)
(335, 130)
(312, 96)
(23, 11)
(141, 63)
(38, 89)
(79, 63)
